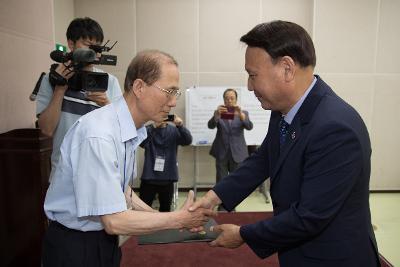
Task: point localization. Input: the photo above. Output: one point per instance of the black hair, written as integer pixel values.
(282, 38)
(85, 28)
(230, 90)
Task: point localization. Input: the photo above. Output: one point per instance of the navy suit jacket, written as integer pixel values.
(230, 135)
(319, 187)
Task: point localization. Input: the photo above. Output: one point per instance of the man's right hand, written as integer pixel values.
(194, 219)
(50, 117)
(208, 201)
(63, 71)
(220, 109)
(66, 73)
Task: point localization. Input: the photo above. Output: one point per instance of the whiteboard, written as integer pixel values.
(201, 102)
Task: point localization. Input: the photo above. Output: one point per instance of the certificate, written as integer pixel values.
(177, 236)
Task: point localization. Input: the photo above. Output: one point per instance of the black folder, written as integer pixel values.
(178, 236)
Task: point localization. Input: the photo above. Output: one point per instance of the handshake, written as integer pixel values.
(194, 215)
(142, 220)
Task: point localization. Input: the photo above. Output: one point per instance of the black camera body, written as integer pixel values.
(170, 117)
(82, 80)
(88, 81)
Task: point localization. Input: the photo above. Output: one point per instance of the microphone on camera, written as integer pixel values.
(83, 55)
(79, 55)
(33, 95)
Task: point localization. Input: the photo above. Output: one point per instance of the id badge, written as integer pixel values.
(159, 164)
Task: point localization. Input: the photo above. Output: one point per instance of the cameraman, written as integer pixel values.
(57, 107)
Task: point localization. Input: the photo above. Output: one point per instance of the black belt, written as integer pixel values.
(63, 227)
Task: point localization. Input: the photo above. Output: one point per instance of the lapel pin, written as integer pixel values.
(293, 135)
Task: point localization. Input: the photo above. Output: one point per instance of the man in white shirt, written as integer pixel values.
(85, 201)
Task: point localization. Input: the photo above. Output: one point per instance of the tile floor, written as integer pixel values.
(384, 210)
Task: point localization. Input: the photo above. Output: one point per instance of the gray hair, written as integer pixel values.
(146, 65)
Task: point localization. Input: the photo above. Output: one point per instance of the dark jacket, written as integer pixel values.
(230, 137)
(163, 142)
(319, 187)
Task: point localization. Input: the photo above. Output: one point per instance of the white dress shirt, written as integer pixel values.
(96, 164)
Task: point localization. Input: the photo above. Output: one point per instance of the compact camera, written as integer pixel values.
(171, 117)
(229, 114)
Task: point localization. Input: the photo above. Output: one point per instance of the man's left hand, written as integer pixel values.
(178, 121)
(229, 236)
(238, 110)
(100, 98)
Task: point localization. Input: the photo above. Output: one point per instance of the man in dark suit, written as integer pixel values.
(229, 147)
(316, 153)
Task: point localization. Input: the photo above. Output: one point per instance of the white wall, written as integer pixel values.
(64, 13)
(356, 42)
(26, 37)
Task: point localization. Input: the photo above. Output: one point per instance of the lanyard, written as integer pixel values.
(123, 184)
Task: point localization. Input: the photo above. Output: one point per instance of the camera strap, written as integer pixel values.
(55, 78)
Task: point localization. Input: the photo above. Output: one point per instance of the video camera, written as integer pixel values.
(82, 80)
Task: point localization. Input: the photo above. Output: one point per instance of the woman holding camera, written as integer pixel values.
(229, 147)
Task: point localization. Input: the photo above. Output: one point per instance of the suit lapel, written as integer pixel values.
(228, 124)
(225, 125)
(294, 134)
(274, 130)
(301, 119)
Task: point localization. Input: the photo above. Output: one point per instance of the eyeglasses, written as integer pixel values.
(170, 93)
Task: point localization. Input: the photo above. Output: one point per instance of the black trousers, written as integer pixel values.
(63, 247)
(148, 191)
(225, 166)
